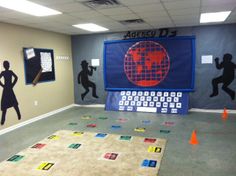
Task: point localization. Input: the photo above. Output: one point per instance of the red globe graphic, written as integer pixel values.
(146, 63)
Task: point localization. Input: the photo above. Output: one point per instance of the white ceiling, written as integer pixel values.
(155, 13)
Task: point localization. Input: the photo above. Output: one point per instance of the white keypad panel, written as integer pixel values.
(152, 101)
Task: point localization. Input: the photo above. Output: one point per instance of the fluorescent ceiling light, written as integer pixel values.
(214, 17)
(91, 27)
(28, 7)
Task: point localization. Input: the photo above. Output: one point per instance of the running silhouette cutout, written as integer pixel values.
(8, 96)
(84, 79)
(226, 78)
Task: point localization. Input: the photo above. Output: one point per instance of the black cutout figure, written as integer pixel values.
(227, 77)
(84, 80)
(8, 97)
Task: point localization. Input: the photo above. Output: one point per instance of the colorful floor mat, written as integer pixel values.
(69, 153)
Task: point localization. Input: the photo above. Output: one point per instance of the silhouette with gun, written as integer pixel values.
(227, 76)
(8, 96)
(84, 80)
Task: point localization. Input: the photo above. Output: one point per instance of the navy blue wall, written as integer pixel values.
(210, 40)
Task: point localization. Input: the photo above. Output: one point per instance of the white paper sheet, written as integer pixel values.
(95, 62)
(207, 59)
(46, 61)
(30, 53)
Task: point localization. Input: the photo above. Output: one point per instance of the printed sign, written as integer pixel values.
(146, 122)
(76, 133)
(72, 123)
(16, 158)
(115, 127)
(45, 166)
(91, 125)
(168, 123)
(149, 140)
(138, 129)
(30, 53)
(101, 135)
(153, 149)
(38, 146)
(165, 131)
(149, 163)
(110, 156)
(122, 120)
(54, 137)
(74, 146)
(103, 118)
(46, 61)
(125, 138)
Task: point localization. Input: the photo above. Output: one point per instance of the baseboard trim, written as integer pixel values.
(212, 110)
(190, 110)
(91, 106)
(43, 116)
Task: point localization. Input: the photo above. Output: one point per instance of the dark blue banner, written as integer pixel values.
(150, 64)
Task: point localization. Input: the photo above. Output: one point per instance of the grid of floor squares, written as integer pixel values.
(85, 153)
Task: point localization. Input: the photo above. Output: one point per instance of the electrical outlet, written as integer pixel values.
(35, 103)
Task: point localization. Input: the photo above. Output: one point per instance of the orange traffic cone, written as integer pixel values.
(193, 140)
(224, 114)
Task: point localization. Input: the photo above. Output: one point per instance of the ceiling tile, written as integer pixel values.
(156, 13)
(185, 24)
(157, 19)
(65, 19)
(187, 11)
(138, 2)
(51, 25)
(98, 20)
(158, 25)
(185, 17)
(125, 17)
(70, 7)
(171, 0)
(218, 2)
(48, 2)
(182, 4)
(187, 21)
(232, 17)
(159, 22)
(112, 25)
(147, 8)
(153, 14)
(86, 14)
(2, 10)
(218, 8)
(120, 29)
(140, 27)
(115, 11)
(22, 17)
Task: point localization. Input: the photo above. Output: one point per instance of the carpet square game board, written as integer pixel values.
(76, 153)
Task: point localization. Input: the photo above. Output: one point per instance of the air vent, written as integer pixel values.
(102, 4)
(133, 21)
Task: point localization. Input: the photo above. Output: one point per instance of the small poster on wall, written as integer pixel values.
(30, 53)
(39, 65)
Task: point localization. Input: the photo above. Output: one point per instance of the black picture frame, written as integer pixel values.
(32, 66)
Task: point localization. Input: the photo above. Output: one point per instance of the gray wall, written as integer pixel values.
(213, 40)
